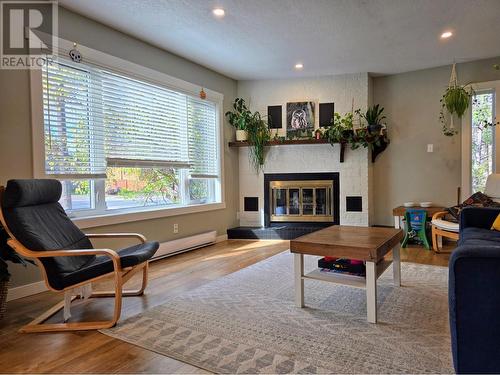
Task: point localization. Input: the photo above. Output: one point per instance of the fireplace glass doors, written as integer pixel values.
(301, 201)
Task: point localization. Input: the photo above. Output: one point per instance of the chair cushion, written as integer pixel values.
(21, 193)
(102, 265)
(446, 225)
(38, 221)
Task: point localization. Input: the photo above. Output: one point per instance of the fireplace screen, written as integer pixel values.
(301, 200)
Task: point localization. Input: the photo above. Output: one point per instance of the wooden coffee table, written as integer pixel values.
(363, 243)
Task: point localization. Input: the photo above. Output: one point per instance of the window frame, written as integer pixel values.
(466, 147)
(91, 218)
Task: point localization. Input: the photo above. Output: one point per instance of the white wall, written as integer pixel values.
(322, 158)
(340, 89)
(406, 171)
(354, 172)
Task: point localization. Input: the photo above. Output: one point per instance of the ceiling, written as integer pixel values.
(265, 38)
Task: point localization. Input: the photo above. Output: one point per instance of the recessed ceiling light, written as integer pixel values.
(219, 12)
(446, 35)
(299, 66)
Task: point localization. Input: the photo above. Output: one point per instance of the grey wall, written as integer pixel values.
(406, 171)
(15, 125)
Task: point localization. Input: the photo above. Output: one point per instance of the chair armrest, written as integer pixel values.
(139, 236)
(439, 215)
(478, 217)
(18, 247)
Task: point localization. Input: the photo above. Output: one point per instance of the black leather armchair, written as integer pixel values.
(39, 228)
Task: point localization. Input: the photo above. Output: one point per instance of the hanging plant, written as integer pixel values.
(454, 101)
(258, 136)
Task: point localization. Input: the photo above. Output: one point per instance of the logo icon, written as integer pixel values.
(28, 33)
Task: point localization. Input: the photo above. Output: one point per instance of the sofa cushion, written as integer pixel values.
(470, 235)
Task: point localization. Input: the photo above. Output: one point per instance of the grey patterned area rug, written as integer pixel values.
(247, 322)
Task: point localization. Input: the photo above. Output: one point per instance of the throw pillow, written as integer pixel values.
(478, 199)
(496, 224)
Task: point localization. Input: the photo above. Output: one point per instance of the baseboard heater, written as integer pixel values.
(185, 244)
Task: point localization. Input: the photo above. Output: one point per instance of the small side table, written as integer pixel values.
(399, 212)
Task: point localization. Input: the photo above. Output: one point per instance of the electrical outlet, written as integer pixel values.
(176, 228)
(430, 147)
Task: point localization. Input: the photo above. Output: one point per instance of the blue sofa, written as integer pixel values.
(474, 293)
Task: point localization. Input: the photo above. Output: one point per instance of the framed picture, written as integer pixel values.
(299, 119)
(274, 116)
(326, 111)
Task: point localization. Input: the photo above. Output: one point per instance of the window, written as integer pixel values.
(483, 139)
(120, 144)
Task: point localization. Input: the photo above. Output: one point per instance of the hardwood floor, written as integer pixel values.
(92, 352)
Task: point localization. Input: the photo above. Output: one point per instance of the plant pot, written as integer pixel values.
(4, 288)
(346, 134)
(374, 128)
(241, 135)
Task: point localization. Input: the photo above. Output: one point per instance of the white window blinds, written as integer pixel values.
(96, 119)
(202, 138)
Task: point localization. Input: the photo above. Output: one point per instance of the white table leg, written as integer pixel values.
(299, 281)
(396, 222)
(371, 291)
(396, 264)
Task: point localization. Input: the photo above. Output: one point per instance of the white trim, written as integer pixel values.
(153, 213)
(466, 163)
(133, 70)
(26, 290)
(221, 238)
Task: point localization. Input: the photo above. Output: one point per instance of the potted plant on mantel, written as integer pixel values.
(342, 131)
(7, 254)
(374, 117)
(240, 119)
(252, 127)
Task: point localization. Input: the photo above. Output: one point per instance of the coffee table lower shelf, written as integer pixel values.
(373, 272)
(344, 278)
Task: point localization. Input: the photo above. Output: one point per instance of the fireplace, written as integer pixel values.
(301, 198)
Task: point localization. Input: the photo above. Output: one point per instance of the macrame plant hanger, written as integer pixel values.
(452, 84)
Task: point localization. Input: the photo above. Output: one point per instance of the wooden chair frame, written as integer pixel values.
(438, 233)
(121, 276)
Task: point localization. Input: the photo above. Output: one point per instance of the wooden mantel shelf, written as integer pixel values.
(285, 142)
(293, 142)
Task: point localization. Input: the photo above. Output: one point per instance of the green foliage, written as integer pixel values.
(241, 117)
(258, 132)
(341, 131)
(81, 187)
(482, 139)
(373, 115)
(198, 190)
(456, 99)
(258, 136)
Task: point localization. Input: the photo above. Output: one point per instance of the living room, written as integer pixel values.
(249, 186)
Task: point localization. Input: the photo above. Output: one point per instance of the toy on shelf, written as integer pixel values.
(415, 227)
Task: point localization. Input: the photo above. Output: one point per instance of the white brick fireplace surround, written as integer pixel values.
(320, 158)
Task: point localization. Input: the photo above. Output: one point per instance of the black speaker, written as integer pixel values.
(353, 204)
(274, 116)
(326, 111)
(251, 204)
